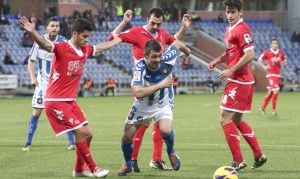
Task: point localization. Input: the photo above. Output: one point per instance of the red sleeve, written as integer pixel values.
(245, 38)
(90, 50)
(130, 36)
(110, 37)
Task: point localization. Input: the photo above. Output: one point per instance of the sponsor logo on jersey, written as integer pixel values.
(248, 38)
(137, 76)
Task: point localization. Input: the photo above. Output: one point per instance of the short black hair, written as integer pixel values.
(152, 45)
(232, 4)
(156, 12)
(80, 25)
(52, 19)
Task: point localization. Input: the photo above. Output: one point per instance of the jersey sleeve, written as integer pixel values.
(138, 74)
(283, 56)
(90, 50)
(245, 39)
(129, 36)
(34, 52)
(171, 55)
(263, 56)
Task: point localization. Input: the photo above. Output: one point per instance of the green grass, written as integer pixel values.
(199, 139)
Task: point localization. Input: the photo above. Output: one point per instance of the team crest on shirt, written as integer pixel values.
(137, 76)
(164, 71)
(55, 75)
(247, 38)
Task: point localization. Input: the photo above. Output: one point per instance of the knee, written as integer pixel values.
(126, 139)
(165, 131)
(37, 112)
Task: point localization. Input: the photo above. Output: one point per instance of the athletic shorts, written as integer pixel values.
(141, 116)
(38, 96)
(64, 116)
(237, 97)
(273, 82)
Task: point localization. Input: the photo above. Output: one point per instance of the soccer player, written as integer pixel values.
(238, 92)
(275, 60)
(138, 36)
(62, 110)
(44, 59)
(152, 86)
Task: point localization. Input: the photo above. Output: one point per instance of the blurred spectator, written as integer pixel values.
(53, 10)
(184, 64)
(19, 14)
(137, 11)
(175, 12)
(76, 14)
(190, 64)
(47, 15)
(220, 17)
(167, 16)
(110, 86)
(119, 9)
(88, 87)
(5, 8)
(294, 37)
(212, 85)
(3, 37)
(27, 40)
(195, 17)
(297, 72)
(8, 60)
(175, 83)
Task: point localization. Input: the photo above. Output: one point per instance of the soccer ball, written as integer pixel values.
(226, 172)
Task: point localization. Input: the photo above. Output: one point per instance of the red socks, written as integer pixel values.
(137, 140)
(266, 101)
(249, 136)
(233, 140)
(83, 155)
(274, 100)
(157, 143)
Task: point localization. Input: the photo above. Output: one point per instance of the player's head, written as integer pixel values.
(234, 10)
(274, 44)
(81, 30)
(53, 27)
(154, 19)
(153, 54)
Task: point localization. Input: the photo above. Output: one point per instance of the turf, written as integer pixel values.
(199, 139)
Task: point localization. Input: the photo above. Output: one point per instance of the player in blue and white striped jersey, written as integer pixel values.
(44, 60)
(152, 87)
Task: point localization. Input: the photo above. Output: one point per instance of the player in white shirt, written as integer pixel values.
(152, 87)
(44, 60)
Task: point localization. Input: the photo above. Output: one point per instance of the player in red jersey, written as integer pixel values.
(138, 36)
(275, 59)
(237, 97)
(62, 110)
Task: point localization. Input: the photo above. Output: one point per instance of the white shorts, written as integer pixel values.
(139, 116)
(38, 96)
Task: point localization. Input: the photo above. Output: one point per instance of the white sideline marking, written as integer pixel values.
(145, 143)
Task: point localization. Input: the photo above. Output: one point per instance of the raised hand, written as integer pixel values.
(186, 20)
(127, 15)
(25, 24)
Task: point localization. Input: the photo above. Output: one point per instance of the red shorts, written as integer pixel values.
(64, 116)
(237, 97)
(273, 82)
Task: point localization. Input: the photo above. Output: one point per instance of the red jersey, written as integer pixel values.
(274, 59)
(67, 66)
(138, 36)
(238, 39)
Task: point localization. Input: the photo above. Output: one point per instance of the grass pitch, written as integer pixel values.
(199, 139)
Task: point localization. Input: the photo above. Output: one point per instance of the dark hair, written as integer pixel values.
(274, 39)
(156, 12)
(232, 4)
(52, 19)
(152, 45)
(80, 25)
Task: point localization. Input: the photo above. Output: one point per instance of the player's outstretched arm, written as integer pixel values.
(127, 18)
(30, 28)
(100, 47)
(186, 22)
(141, 91)
(182, 47)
